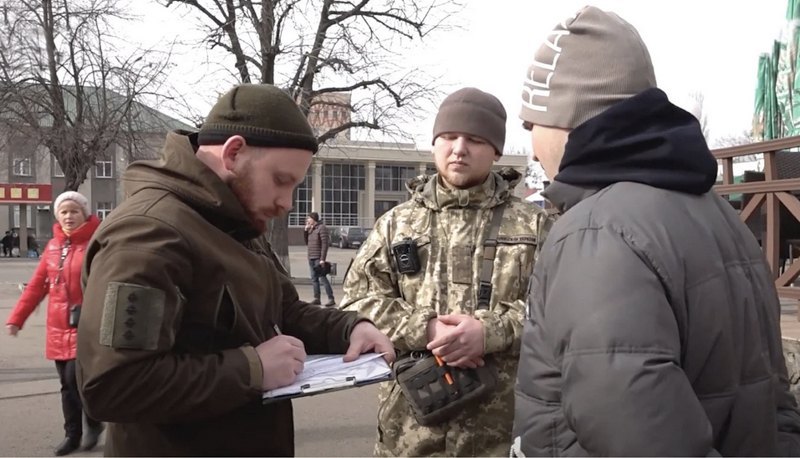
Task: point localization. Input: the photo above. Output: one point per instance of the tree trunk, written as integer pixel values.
(278, 237)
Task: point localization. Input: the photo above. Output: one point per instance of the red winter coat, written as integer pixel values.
(64, 290)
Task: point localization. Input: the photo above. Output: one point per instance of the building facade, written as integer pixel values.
(353, 183)
(350, 183)
(102, 186)
(24, 160)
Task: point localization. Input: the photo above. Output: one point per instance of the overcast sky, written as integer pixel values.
(705, 46)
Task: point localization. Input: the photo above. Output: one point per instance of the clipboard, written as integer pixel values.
(328, 373)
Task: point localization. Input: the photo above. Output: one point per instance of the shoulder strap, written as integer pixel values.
(489, 251)
(62, 258)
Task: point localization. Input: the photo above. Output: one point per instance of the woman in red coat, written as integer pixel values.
(59, 276)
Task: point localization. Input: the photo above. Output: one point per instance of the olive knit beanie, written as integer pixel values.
(263, 114)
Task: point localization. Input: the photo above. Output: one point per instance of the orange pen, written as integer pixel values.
(447, 375)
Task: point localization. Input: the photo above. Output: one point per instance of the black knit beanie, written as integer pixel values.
(474, 112)
(263, 114)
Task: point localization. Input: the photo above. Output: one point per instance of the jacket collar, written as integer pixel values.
(428, 191)
(180, 172)
(80, 235)
(644, 139)
(476, 196)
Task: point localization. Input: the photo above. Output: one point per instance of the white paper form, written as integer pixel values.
(326, 372)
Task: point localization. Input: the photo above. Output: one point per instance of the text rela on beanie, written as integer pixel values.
(537, 83)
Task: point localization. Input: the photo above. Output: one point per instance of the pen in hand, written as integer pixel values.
(277, 329)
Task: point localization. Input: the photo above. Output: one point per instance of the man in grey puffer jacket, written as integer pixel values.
(653, 324)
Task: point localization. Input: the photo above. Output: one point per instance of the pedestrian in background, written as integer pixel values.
(15, 244)
(33, 247)
(318, 241)
(58, 276)
(6, 242)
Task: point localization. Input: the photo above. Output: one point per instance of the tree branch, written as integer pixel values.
(330, 134)
(361, 85)
(201, 8)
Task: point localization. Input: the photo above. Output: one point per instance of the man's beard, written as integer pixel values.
(460, 181)
(242, 187)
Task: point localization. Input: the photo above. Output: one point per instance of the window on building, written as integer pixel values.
(430, 169)
(103, 209)
(31, 216)
(104, 169)
(393, 177)
(22, 167)
(302, 202)
(57, 172)
(383, 206)
(341, 184)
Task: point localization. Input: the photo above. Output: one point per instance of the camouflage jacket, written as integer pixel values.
(449, 228)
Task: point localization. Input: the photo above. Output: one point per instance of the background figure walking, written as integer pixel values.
(14, 244)
(59, 276)
(33, 247)
(6, 241)
(318, 241)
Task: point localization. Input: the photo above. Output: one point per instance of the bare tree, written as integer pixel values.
(314, 48)
(742, 138)
(65, 84)
(697, 108)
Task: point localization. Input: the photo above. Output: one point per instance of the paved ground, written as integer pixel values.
(336, 424)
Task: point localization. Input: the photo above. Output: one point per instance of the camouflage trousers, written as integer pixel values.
(483, 429)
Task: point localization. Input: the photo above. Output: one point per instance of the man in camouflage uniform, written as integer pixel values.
(449, 217)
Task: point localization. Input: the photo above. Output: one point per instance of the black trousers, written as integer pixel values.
(71, 401)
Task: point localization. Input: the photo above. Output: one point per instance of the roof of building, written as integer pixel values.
(141, 117)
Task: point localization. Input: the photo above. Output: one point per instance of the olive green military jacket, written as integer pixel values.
(449, 228)
(177, 295)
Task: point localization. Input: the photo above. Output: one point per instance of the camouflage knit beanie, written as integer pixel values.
(588, 63)
(263, 114)
(473, 112)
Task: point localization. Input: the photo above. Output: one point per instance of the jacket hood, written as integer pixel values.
(498, 188)
(644, 139)
(181, 173)
(80, 235)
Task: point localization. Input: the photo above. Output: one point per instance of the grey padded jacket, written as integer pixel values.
(653, 324)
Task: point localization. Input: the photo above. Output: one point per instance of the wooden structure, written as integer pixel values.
(780, 188)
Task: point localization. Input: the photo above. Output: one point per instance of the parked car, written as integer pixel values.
(348, 237)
